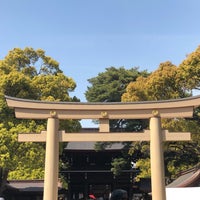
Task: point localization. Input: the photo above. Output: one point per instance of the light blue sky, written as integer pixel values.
(87, 36)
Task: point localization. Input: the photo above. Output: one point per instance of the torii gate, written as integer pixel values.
(153, 110)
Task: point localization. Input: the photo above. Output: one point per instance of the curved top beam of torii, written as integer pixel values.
(32, 109)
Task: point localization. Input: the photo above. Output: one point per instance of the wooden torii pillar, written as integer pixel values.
(153, 110)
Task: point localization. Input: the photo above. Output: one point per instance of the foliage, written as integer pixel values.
(181, 155)
(145, 169)
(108, 86)
(117, 165)
(167, 82)
(24, 160)
(159, 85)
(29, 74)
(170, 82)
(189, 71)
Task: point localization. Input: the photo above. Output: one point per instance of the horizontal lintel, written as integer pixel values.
(104, 137)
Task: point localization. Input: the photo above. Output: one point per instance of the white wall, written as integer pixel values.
(188, 193)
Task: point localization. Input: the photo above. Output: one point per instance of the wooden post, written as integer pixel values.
(157, 162)
(51, 160)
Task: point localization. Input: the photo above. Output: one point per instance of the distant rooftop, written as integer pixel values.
(29, 185)
(189, 178)
(91, 146)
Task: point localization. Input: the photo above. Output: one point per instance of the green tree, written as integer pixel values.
(109, 86)
(181, 155)
(30, 74)
(189, 71)
(167, 83)
(161, 84)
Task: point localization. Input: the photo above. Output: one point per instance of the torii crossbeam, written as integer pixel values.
(153, 110)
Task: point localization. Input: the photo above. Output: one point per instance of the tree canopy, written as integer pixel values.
(167, 82)
(108, 86)
(31, 74)
(161, 84)
(171, 82)
(189, 71)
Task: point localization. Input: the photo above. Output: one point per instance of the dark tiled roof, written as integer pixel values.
(190, 178)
